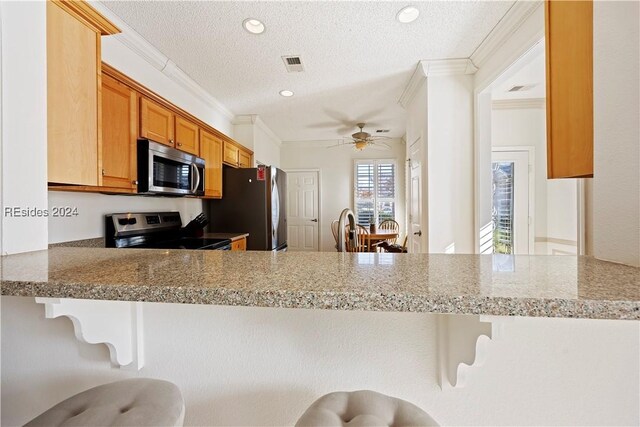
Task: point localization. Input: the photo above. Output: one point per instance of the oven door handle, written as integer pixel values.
(195, 172)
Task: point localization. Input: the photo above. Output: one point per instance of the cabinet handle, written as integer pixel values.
(134, 182)
(179, 144)
(171, 141)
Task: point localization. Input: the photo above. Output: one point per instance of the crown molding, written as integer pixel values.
(504, 29)
(433, 68)
(145, 50)
(255, 120)
(521, 103)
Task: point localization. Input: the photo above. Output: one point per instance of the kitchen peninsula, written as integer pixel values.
(536, 286)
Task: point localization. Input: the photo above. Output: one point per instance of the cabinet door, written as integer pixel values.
(230, 155)
(244, 159)
(569, 56)
(73, 74)
(187, 136)
(239, 245)
(211, 152)
(156, 122)
(119, 134)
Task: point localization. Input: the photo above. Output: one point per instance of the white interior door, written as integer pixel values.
(415, 199)
(302, 215)
(510, 196)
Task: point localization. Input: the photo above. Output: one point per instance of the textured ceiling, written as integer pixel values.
(357, 57)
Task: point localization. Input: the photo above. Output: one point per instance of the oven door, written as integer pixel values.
(165, 170)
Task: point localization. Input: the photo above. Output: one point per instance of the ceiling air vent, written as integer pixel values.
(293, 64)
(382, 130)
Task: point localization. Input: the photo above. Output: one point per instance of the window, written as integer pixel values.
(375, 191)
(502, 214)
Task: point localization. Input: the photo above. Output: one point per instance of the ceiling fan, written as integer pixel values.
(361, 140)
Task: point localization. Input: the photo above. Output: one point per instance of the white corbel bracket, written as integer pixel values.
(118, 324)
(462, 345)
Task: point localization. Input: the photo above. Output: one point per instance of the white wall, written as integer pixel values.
(24, 124)
(92, 207)
(555, 215)
(616, 93)
(253, 133)
(255, 366)
(336, 166)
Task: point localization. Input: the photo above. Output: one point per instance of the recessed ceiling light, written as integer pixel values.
(253, 26)
(286, 93)
(408, 14)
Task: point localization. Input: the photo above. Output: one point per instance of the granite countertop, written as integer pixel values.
(541, 286)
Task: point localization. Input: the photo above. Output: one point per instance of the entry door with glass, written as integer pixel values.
(510, 207)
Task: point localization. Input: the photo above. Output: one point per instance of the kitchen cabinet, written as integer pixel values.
(211, 152)
(74, 31)
(244, 159)
(236, 156)
(239, 244)
(156, 122)
(569, 72)
(187, 136)
(162, 125)
(230, 154)
(119, 134)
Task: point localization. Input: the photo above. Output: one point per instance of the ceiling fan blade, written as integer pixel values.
(380, 146)
(323, 125)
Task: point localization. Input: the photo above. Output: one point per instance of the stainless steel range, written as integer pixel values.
(157, 230)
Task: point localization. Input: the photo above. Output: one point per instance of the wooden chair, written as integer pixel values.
(334, 231)
(361, 238)
(390, 224)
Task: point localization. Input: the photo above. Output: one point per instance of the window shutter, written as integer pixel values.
(375, 191)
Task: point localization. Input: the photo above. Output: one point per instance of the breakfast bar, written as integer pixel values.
(534, 286)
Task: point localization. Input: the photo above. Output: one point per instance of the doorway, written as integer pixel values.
(303, 210)
(531, 214)
(512, 213)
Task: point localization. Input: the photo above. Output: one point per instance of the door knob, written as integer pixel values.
(418, 233)
(315, 220)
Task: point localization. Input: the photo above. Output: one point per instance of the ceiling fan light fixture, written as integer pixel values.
(360, 145)
(253, 26)
(286, 93)
(407, 14)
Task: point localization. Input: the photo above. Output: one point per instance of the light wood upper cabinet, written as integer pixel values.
(230, 154)
(211, 152)
(72, 98)
(156, 122)
(236, 156)
(187, 136)
(244, 159)
(119, 134)
(569, 56)
(73, 91)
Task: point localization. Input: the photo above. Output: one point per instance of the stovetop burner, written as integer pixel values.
(155, 230)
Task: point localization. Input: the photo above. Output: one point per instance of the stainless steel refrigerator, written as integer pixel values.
(253, 201)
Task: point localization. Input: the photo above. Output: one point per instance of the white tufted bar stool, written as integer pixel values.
(363, 408)
(133, 402)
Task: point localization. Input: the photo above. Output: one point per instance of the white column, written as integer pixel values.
(24, 126)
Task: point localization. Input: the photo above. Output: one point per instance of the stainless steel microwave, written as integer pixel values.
(165, 170)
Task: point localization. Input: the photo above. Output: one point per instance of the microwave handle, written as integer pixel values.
(196, 172)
